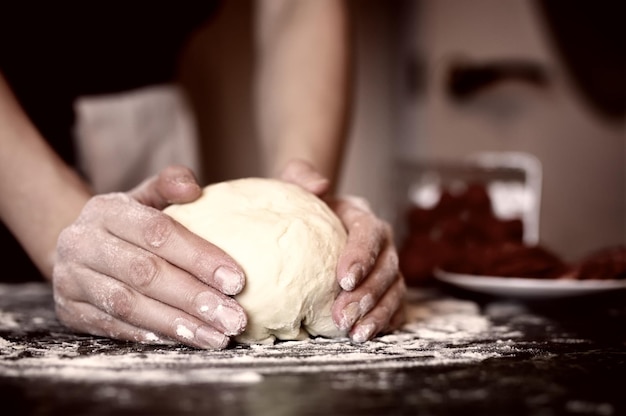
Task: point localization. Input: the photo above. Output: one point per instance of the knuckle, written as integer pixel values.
(120, 302)
(159, 229)
(198, 258)
(144, 271)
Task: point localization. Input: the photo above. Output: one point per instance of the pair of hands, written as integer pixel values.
(125, 270)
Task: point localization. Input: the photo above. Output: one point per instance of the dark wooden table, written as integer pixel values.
(460, 354)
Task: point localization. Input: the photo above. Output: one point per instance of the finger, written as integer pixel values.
(150, 229)
(88, 319)
(366, 237)
(304, 175)
(151, 276)
(154, 277)
(380, 317)
(398, 319)
(175, 184)
(122, 303)
(349, 307)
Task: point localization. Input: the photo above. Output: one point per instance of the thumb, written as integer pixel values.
(173, 185)
(303, 174)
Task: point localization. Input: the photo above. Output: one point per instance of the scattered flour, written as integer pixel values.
(5, 344)
(437, 332)
(184, 332)
(7, 320)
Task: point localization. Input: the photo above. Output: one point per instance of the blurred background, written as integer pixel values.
(443, 79)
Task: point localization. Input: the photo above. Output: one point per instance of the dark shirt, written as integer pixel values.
(53, 52)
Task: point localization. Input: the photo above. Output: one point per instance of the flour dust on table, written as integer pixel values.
(439, 331)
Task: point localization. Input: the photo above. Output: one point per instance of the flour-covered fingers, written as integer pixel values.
(367, 236)
(86, 318)
(151, 230)
(349, 307)
(148, 275)
(126, 305)
(378, 320)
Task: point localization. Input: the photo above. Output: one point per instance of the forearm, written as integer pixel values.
(40, 193)
(302, 93)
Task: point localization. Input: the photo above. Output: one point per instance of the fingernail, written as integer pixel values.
(231, 319)
(366, 304)
(208, 337)
(317, 183)
(229, 280)
(363, 332)
(349, 316)
(348, 282)
(201, 336)
(184, 328)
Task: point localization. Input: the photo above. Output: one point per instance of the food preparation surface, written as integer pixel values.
(459, 353)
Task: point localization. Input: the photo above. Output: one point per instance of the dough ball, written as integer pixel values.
(288, 242)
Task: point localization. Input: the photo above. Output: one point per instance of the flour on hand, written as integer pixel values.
(288, 243)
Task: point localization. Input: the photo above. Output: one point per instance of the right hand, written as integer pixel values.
(372, 299)
(126, 270)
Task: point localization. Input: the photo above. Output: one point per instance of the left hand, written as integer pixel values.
(372, 300)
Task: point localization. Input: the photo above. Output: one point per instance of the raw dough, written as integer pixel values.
(287, 241)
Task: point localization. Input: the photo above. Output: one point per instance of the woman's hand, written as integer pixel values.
(126, 270)
(372, 300)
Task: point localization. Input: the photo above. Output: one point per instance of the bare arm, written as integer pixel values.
(40, 193)
(302, 103)
(302, 93)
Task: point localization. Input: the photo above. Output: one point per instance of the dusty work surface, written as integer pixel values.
(457, 354)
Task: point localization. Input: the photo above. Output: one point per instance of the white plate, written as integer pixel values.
(519, 287)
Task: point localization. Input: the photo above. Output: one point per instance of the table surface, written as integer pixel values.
(459, 354)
